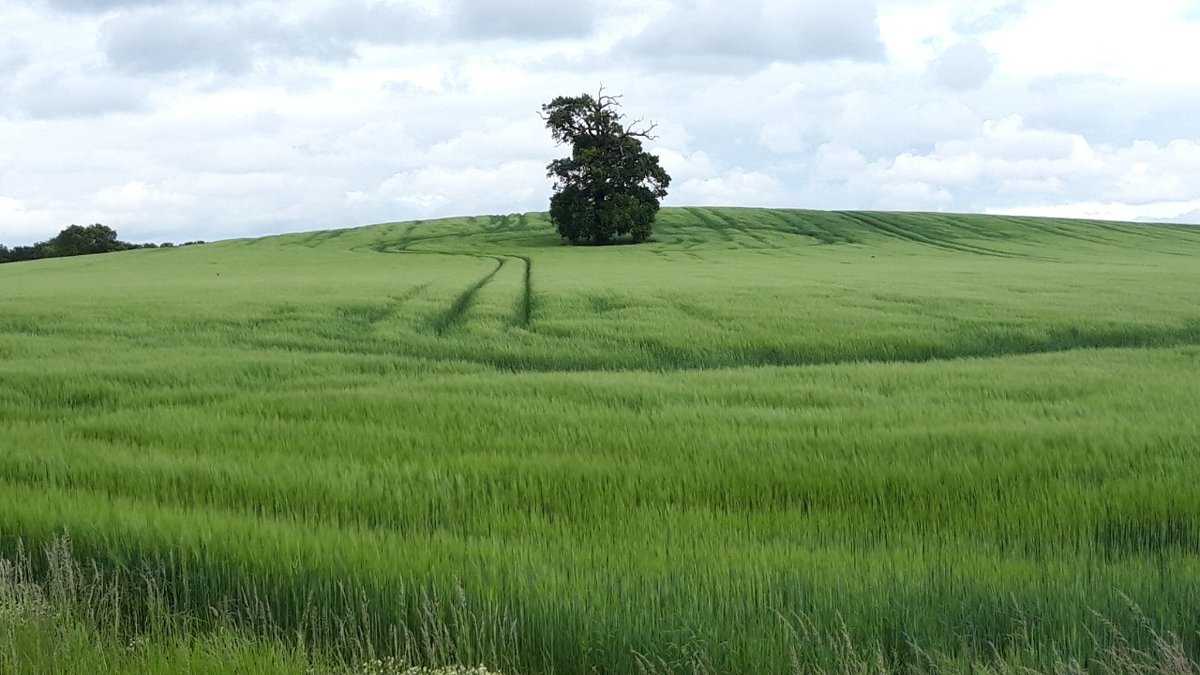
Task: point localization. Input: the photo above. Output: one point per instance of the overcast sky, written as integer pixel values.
(187, 119)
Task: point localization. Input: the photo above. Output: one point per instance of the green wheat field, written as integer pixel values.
(765, 442)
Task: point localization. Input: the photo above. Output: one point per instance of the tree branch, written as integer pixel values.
(647, 133)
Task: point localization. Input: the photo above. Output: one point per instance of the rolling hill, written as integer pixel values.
(765, 435)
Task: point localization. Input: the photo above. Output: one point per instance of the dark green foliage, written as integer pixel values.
(20, 253)
(76, 240)
(609, 187)
(79, 240)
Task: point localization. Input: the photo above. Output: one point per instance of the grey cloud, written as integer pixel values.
(1192, 218)
(966, 65)
(163, 41)
(344, 24)
(233, 40)
(1109, 110)
(13, 57)
(13, 61)
(701, 34)
(66, 94)
(99, 6)
(524, 18)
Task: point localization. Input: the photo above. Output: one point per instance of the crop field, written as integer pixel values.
(767, 441)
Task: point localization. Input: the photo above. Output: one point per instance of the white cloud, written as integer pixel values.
(1150, 173)
(137, 196)
(837, 159)
(684, 165)
(19, 224)
(1008, 163)
(495, 141)
(987, 16)
(913, 196)
(1144, 41)
(697, 180)
(1161, 212)
(440, 191)
(736, 187)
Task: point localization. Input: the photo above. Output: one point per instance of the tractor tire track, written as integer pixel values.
(524, 313)
(712, 222)
(898, 232)
(456, 314)
(798, 225)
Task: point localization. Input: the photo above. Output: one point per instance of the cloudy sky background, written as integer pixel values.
(189, 119)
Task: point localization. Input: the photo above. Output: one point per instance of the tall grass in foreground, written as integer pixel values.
(59, 615)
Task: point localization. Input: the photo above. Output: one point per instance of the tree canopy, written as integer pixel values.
(75, 240)
(610, 186)
(80, 240)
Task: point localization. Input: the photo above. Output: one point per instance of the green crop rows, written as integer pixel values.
(764, 432)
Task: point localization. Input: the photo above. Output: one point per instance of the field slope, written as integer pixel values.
(933, 434)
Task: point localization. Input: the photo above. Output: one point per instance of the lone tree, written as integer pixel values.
(609, 186)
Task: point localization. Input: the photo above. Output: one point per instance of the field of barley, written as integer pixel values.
(767, 441)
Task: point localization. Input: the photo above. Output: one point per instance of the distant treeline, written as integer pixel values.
(77, 240)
